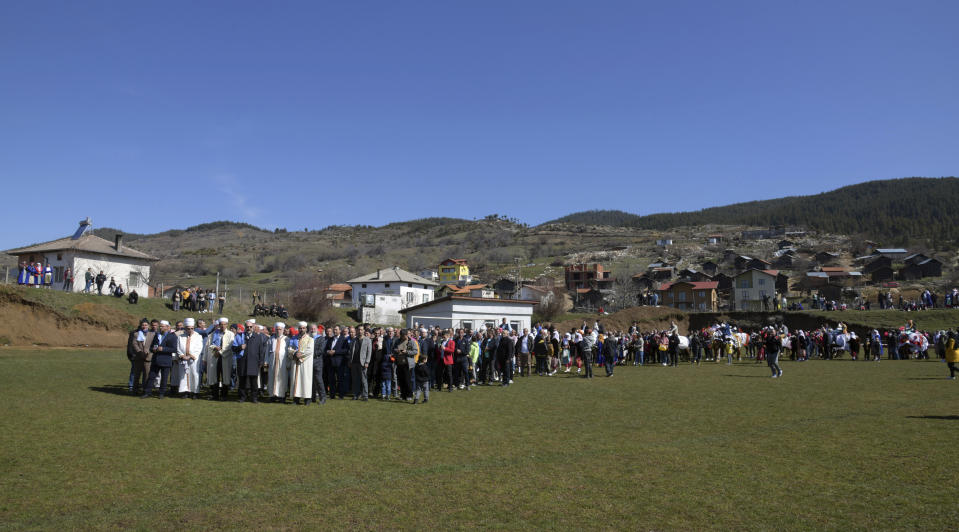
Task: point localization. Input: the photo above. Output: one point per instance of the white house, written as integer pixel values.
(534, 293)
(84, 250)
(381, 295)
(471, 313)
(751, 287)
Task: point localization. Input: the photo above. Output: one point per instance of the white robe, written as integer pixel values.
(301, 373)
(189, 368)
(277, 362)
(210, 356)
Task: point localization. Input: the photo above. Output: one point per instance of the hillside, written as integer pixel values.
(896, 212)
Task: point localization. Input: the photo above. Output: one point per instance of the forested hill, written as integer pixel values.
(894, 211)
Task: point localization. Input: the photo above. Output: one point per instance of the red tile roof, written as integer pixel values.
(697, 285)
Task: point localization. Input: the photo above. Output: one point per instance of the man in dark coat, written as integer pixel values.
(341, 352)
(164, 347)
(319, 359)
(254, 351)
(504, 354)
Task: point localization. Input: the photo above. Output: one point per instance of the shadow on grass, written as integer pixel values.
(926, 378)
(950, 418)
(748, 376)
(115, 389)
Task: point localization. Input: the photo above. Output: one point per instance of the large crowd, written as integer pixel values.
(308, 363)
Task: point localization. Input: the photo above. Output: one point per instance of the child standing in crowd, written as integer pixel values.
(386, 377)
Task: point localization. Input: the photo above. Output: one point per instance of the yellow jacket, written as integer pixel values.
(952, 351)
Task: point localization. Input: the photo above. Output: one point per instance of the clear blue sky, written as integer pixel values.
(156, 115)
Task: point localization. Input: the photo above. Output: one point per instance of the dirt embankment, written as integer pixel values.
(25, 323)
(648, 318)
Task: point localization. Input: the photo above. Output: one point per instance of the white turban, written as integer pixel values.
(252, 320)
(280, 325)
(224, 320)
(301, 324)
(189, 322)
(164, 322)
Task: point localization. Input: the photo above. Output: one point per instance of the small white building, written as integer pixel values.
(751, 287)
(471, 313)
(380, 296)
(84, 250)
(534, 293)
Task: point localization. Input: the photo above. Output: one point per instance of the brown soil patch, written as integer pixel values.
(648, 318)
(25, 323)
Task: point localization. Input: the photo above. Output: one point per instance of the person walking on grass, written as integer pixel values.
(772, 345)
(587, 346)
(952, 354)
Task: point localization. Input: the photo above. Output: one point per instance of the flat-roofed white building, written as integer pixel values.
(471, 313)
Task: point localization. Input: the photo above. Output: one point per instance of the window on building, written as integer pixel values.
(702, 293)
(426, 298)
(762, 282)
(59, 256)
(387, 285)
(489, 324)
(467, 324)
(58, 274)
(410, 285)
(363, 285)
(682, 296)
(514, 325)
(134, 281)
(409, 297)
(743, 283)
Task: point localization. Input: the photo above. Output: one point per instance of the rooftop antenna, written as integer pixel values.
(85, 226)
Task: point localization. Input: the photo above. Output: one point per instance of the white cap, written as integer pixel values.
(252, 320)
(280, 325)
(189, 322)
(164, 322)
(301, 324)
(223, 320)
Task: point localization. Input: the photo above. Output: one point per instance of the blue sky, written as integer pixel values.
(155, 115)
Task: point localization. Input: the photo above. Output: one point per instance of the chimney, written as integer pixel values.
(377, 273)
(118, 242)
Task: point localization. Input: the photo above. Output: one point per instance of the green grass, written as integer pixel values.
(839, 445)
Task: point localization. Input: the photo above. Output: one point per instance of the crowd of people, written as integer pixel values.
(196, 299)
(36, 274)
(309, 363)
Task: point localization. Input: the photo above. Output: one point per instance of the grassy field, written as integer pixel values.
(833, 445)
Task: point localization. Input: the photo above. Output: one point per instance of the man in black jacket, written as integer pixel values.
(341, 352)
(609, 354)
(164, 348)
(504, 354)
(461, 360)
(319, 358)
(253, 356)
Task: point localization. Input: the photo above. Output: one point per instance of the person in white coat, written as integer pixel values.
(301, 367)
(277, 375)
(189, 350)
(219, 360)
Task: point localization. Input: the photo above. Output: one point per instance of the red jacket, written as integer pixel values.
(448, 351)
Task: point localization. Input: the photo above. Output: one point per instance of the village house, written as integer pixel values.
(471, 313)
(587, 275)
(915, 258)
(931, 268)
(339, 295)
(826, 257)
(84, 250)
(455, 271)
(910, 272)
(710, 268)
(690, 296)
(589, 298)
(877, 263)
(752, 287)
(714, 239)
(893, 253)
(382, 294)
(881, 273)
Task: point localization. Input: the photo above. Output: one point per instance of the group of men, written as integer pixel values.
(308, 363)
